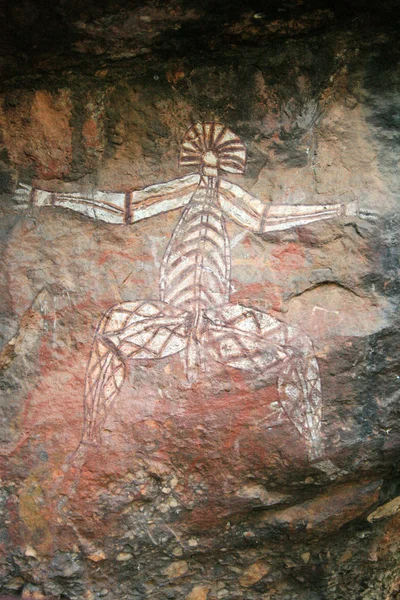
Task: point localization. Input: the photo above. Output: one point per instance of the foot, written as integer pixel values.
(77, 459)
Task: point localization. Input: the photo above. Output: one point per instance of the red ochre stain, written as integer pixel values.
(91, 134)
(134, 257)
(290, 257)
(269, 294)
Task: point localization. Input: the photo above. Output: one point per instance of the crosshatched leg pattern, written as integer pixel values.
(132, 330)
(250, 340)
(241, 337)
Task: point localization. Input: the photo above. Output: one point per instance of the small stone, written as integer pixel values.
(248, 534)
(174, 482)
(199, 592)
(290, 564)
(234, 569)
(97, 556)
(177, 551)
(223, 593)
(103, 592)
(101, 73)
(117, 140)
(306, 557)
(254, 573)
(88, 595)
(193, 543)
(347, 555)
(165, 490)
(259, 495)
(30, 552)
(176, 569)
(173, 502)
(124, 556)
(157, 468)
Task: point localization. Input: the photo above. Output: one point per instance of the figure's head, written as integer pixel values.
(212, 148)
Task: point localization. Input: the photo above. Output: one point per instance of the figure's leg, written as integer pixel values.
(195, 359)
(104, 377)
(133, 330)
(300, 393)
(248, 339)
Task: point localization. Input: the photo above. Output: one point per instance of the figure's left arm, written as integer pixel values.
(251, 213)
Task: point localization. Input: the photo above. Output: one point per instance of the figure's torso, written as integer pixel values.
(195, 272)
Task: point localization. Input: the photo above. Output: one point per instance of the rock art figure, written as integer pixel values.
(193, 314)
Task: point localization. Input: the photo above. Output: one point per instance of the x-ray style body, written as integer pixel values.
(193, 314)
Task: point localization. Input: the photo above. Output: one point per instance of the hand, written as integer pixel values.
(353, 210)
(22, 195)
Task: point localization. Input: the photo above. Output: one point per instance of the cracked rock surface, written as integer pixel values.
(200, 492)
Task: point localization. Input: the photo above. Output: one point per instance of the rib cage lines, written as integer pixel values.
(195, 272)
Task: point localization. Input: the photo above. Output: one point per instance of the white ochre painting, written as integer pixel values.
(193, 315)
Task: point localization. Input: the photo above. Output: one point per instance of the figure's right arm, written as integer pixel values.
(117, 207)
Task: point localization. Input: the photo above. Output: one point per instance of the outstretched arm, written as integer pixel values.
(248, 211)
(118, 207)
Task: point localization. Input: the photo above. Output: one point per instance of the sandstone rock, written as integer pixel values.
(386, 510)
(124, 556)
(30, 552)
(97, 556)
(325, 513)
(253, 574)
(199, 592)
(261, 496)
(176, 569)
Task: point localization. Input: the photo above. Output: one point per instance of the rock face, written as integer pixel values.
(208, 487)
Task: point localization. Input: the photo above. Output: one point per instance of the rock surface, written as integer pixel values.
(202, 491)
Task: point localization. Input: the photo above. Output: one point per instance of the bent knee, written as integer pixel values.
(298, 340)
